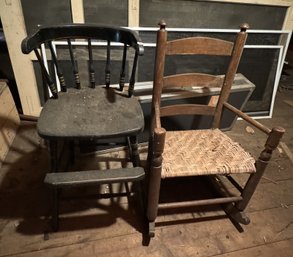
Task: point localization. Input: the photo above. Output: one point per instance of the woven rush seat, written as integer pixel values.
(203, 152)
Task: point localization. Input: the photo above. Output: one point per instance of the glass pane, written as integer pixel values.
(198, 14)
(53, 12)
(109, 12)
(260, 67)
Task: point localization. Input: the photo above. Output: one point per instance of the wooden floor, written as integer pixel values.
(93, 227)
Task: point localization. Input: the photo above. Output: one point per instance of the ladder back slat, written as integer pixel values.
(187, 109)
(199, 45)
(74, 65)
(193, 80)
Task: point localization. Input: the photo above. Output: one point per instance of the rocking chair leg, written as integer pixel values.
(236, 217)
(236, 214)
(154, 179)
(250, 188)
(252, 183)
(261, 164)
(153, 198)
(241, 218)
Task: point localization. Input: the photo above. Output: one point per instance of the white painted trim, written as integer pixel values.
(133, 13)
(77, 11)
(277, 80)
(285, 3)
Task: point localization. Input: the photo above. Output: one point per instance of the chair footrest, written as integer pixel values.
(94, 177)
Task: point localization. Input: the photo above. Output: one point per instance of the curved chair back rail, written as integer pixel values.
(91, 33)
(110, 33)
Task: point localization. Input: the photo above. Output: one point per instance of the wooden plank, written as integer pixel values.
(133, 13)
(280, 249)
(271, 195)
(266, 226)
(14, 30)
(77, 11)
(288, 22)
(205, 238)
(6, 103)
(9, 120)
(289, 102)
(7, 133)
(287, 151)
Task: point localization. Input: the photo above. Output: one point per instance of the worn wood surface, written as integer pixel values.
(9, 120)
(193, 80)
(187, 109)
(14, 29)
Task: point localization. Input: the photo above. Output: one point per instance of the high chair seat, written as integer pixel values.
(90, 113)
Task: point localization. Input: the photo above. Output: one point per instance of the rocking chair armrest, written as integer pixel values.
(245, 117)
(274, 135)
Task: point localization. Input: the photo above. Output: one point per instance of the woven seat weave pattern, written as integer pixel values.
(203, 152)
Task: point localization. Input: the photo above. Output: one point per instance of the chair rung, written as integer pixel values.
(220, 200)
(94, 177)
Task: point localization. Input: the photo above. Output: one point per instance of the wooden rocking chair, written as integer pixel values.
(206, 152)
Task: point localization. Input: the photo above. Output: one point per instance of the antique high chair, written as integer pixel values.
(93, 104)
(208, 153)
